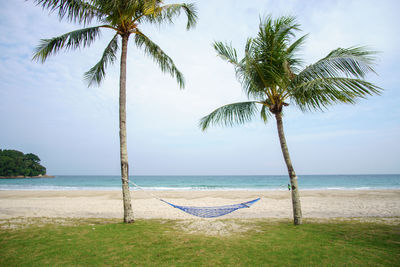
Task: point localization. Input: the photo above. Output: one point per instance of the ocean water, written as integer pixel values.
(228, 182)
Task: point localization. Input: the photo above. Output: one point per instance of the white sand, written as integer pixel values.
(273, 204)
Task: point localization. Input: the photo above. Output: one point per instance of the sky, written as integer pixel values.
(47, 109)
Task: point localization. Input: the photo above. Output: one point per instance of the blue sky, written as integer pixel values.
(47, 109)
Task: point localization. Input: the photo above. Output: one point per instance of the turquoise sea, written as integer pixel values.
(228, 182)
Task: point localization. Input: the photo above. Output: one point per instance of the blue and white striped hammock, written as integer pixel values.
(211, 212)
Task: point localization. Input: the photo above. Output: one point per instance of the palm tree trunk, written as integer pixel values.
(128, 213)
(293, 177)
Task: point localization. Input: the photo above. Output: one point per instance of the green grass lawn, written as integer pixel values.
(164, 243)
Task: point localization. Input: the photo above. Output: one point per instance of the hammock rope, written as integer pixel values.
(204, 212)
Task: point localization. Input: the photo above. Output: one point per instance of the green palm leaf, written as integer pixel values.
(251, 86)
(265, 114)
(353, 61)
(74, 10)
(229, 115)
(157, 54)
(292, 59)
(167, 13)
(71, 40)
(277, 32)
(226, 52)
(320, 93)
(97, 73)
(339, 77)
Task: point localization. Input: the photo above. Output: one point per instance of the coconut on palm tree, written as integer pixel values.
(272, 77)
(124, 18)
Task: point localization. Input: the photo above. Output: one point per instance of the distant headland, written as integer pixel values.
(15, 164)
(23, 177)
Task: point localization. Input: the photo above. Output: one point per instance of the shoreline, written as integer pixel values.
(152, 189)
(273, 204)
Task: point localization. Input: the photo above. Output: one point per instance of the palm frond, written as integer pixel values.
(245, 69)
(71, 40)
(167, 13)
(97, 73)
(353, 61)
(274, 36)
(248, 72)
(157, 54)
(226, 52)
(284, 28)
(270, 58)
(122, 11)
(229, 115)
(296, 45)
(73, 10)
(265, 113)
(276, 33)
(292, 58)
(318, 94)
(337, 78)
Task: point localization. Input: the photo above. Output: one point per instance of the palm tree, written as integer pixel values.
(124, 17)
(271, 76)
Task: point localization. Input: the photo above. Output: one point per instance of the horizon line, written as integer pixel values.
(340, 174)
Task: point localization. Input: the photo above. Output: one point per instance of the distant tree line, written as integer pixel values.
(16, 163)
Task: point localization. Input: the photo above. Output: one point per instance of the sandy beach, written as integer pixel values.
(273, 204)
